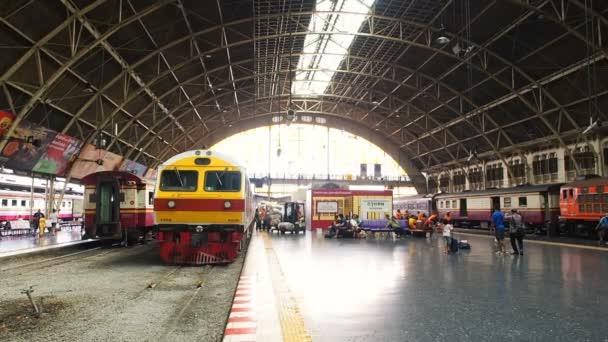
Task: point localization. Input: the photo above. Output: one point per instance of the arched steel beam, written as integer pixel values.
(253, 102)
(140, 14)
(63, 68)
(332, 121)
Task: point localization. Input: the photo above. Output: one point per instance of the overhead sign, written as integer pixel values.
(6, 120)
(26, 146)
(58, 154)
(327, 207)
(376, 205)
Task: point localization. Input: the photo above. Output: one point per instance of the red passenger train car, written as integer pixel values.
(582, 204)
(118, 206)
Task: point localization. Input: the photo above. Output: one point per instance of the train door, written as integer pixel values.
(495, 203)
(463, 207)
(107, 208)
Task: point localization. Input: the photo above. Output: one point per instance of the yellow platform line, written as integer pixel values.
(292, 323)
(550, 243)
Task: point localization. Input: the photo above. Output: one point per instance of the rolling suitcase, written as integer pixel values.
(454, 245)
(464, 244)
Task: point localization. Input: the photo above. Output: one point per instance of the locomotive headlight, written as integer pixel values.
(227, 205)
(171, 204)
(199, 229)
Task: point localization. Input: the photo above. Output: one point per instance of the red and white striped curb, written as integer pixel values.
(242, 323)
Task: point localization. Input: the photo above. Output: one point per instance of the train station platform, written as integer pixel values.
(306, 287)
(25, 244)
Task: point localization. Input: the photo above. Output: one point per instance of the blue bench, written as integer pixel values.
(379, 226)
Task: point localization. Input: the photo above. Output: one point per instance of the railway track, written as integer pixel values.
(207, 273)
(60, 260)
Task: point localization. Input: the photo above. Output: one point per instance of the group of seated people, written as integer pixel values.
(346, 227)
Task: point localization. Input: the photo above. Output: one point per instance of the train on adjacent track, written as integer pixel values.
(203, 208)
(118, 206)
(16, 199)
(571, 209)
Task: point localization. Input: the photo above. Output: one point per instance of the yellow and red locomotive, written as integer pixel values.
(203, 208)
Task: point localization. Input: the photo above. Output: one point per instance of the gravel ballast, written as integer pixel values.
(119, 294)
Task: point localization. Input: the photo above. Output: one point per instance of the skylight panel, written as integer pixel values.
(327, 43)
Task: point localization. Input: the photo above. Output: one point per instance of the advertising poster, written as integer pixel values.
(6, 119)
(375, 208)
(92, 160)
(327, 207)
(58, 155)
(26, 146)
(133, 167)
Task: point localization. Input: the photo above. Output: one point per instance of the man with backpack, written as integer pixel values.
(516, 232)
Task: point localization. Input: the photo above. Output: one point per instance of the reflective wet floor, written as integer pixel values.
(21, 243)
(408, 290)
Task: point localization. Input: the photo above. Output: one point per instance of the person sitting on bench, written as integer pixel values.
(394, 225)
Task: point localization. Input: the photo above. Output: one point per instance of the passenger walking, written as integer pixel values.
(498, 219)
(516, 232)
(602, 229)
(258, 220)
(36, 221)
(53, 218)
(447, 235)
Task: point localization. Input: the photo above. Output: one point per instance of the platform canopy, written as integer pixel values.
(431, 82)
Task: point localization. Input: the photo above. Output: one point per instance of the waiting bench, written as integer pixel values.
(375, 227)
(17, 227)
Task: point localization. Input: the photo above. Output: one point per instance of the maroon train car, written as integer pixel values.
(118, 206)
(538, 204)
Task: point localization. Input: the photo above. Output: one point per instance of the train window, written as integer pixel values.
(581, 208)
(507, 202)
(222, 181)
(63, 204)
(202, 161)
(564, 194)
(597, 207)
(599, 189)
(523, 202)
(571, 193)
(150, 197)
(23, 203)
(4, 203)
(454, 205)
(441, 204)
(14, 203)
(589, 208)
(447, 204)
(179, 180)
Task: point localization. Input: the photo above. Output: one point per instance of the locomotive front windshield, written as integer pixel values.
(222, 181)
(178, 180)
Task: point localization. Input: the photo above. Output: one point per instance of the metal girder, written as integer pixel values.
(35, 97)
(398, 23)
(120, 60)
(91, 125)
(75, 117)
(353, 127)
